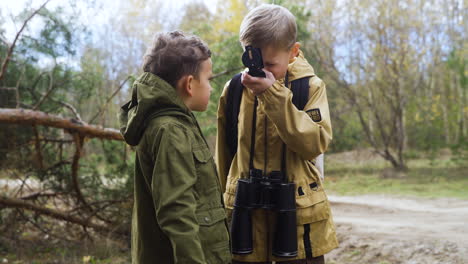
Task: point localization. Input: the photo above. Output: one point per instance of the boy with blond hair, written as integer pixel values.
(275, 135)
(178, 212)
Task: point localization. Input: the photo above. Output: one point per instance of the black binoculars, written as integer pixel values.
(252, 59)
(271, 193)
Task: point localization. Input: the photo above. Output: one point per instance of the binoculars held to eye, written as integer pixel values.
(252, 59)
(270, 193)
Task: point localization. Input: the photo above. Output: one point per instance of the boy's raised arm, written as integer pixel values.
(307, 136)
(172, 186)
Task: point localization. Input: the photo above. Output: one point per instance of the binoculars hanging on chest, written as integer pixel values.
(269, 193)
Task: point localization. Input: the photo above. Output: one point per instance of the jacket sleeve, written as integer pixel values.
(223, 158)
(174, 176)
(296, 128)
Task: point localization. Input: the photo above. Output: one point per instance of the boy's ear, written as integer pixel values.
(295, 50)
(185, 85)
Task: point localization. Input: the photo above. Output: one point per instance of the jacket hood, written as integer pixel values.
(300, 68)
(151, 97)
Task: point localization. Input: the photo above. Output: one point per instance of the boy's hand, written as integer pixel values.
(258, 85)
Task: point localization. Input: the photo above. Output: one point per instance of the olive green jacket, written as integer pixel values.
(178, 212)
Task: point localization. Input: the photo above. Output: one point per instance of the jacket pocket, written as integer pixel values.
(312, 207)
(202, 155)
(219, 254)
(207, 182)
(211, 217)
(214, 236)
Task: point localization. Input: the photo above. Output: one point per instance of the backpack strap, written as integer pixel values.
(234, 97)
(299, 88)
(300, 91)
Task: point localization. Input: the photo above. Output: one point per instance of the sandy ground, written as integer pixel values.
(384, 230)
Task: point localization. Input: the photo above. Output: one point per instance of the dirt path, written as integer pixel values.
(389, 230)
(382, 229)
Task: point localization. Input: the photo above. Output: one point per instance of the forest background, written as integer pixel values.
(396, 81)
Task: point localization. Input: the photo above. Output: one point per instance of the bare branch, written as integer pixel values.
(36, 195)
(17, 86)
(69, 106)
(36, 81)
(101, 109)
(65, 104)
(12, 46)
(79, 140)
(49, 91)
(54, 140)
(4, 40)
(18, 203)
(38, 148)
(58, 164)
(225, 72)
(24, 183)
(42, 228)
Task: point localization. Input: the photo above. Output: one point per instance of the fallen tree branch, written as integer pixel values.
(30, 117)
(18, 203)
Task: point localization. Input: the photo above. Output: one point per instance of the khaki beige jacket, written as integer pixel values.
(306, 134)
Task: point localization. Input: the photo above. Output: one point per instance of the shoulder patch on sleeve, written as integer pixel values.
(314, 114)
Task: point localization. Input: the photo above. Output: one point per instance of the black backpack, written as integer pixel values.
(299, 88)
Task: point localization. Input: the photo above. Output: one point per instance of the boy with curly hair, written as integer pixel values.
(178, 212)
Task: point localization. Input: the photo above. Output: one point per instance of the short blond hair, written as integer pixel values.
(269, 24)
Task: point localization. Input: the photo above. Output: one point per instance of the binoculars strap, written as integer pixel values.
(283, 163)
(252, 138)
(283, 150)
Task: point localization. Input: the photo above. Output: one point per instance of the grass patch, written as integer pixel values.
(429, 178)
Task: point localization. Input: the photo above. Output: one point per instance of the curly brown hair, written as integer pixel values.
(174, 55)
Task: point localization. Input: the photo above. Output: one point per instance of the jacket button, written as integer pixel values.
(207, 219)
